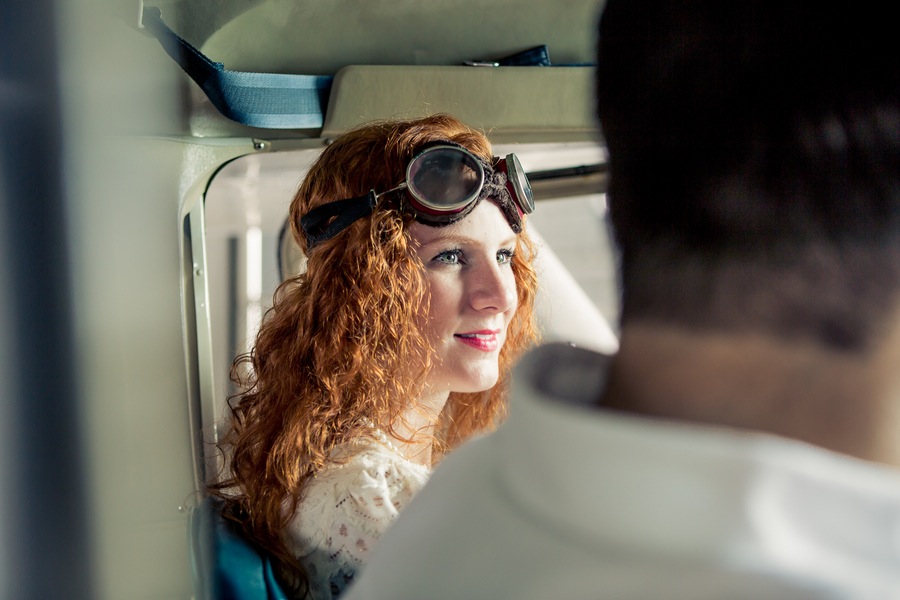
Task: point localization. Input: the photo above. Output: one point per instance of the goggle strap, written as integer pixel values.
(511, 211)
(326, 221)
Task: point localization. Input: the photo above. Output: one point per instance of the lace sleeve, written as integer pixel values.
(345, 510)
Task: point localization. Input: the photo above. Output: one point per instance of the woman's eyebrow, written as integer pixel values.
(450, 239)
(464, 240)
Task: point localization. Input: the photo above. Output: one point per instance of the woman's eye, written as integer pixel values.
(449, 257)
(505, 256)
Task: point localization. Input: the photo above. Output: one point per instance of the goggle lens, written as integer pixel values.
(444, 179)
(521, 189)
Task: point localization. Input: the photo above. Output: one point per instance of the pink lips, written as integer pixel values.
(486, 340)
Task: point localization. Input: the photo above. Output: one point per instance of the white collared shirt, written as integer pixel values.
(567, 500)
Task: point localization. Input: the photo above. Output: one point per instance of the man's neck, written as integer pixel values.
(845, 402)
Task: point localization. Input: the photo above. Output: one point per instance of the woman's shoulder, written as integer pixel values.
(364, 464)
(346, 506)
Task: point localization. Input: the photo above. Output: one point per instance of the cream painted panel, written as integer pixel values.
(319, 37)
(124, 231)
(513, 104)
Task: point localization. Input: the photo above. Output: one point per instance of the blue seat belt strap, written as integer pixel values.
(270, 100)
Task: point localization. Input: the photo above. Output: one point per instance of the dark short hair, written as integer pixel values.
(754, 163)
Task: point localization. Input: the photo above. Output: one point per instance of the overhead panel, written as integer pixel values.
(525, 104)
(320, 37)
(402, 58)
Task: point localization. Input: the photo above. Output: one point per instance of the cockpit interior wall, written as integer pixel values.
(98, 344)
(44, 549)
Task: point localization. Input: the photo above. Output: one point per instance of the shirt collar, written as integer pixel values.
(701, 492)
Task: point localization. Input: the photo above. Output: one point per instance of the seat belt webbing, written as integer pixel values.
(270, 100)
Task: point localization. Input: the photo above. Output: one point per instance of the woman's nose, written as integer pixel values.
(493, 287)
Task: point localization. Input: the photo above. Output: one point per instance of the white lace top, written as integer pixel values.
(345, 509)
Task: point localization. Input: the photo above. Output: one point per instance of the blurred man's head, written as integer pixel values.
(755, 165)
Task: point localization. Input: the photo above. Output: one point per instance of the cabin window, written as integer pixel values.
(246, 206)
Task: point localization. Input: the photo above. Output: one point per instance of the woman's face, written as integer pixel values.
(468, 268)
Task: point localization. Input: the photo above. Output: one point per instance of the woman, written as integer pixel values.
(391, 348)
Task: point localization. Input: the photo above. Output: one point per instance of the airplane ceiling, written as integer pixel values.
(321, 36)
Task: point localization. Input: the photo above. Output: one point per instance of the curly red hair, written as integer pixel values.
(335, 349)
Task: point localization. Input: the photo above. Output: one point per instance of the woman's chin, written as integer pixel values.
(479, 382)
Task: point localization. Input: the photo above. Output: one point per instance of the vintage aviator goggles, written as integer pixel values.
(444, 182)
